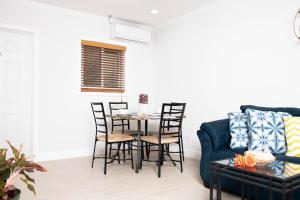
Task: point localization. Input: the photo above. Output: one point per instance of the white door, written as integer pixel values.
(16, 87)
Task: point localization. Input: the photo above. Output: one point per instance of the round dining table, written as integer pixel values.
(139, 118)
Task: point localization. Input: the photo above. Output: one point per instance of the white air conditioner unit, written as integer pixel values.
(129, 32)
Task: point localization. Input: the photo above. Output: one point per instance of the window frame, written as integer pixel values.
(87, 90)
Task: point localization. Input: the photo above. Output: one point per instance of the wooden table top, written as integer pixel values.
(136, 116)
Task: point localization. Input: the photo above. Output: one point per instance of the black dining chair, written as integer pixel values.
(120, 124)
(114, 137)
(124, 124)
(167, 124)
(170, 127)
(174, 108)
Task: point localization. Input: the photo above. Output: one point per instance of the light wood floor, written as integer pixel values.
(75, 179)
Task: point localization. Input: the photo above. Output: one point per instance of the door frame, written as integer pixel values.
(35, 75)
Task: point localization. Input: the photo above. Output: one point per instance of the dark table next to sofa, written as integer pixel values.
(215, 140)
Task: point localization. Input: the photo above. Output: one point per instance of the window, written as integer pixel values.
(102, 67)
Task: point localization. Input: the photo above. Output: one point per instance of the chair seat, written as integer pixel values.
(116, 137)
(154, 139)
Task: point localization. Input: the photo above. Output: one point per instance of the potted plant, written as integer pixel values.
(13, 167)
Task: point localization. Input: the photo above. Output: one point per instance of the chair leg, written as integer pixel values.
(180, 155)
(147, 151)
(142, 151)
(141, 157)
(129, 144)
(131, 157)
(168, 148)
(110, 149)
(94, 153)
(105, 159)
(168, 154)
(124, 152)
(118, 152)
(159, 159)
(147, 145)
(162, 154)
(182, 151)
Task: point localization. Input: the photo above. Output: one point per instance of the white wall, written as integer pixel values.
(215, 59)
(65, 124)
(228, 54)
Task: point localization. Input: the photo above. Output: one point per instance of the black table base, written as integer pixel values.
(285, 186)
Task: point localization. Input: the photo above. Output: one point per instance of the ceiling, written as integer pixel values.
(133, 10)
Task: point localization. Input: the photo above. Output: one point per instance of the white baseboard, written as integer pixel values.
(59, 155)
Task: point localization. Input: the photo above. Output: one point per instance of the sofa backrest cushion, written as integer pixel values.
(238, 123)
(290, 110)
(266, 131)
(218, 132)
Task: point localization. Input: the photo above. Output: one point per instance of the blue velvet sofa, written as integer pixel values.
(215, 139)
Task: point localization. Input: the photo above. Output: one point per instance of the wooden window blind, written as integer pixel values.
(102, 67)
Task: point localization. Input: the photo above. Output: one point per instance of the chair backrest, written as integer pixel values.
(123, 123)
(172, 108)
(172, 113)
(99, 118)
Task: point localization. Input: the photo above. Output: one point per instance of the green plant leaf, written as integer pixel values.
(24, 180)
(18, 163)
(14, 150)
(2, 184)
(27, 177)
(29, 186)
(4, 174)
(3, 155)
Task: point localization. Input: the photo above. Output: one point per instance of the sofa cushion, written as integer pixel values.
(291, 169)
(290, 110)
(292, 133)
(238, 130)
(218, 132)
(266, 131)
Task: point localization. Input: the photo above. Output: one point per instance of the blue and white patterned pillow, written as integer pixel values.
(278, 167)
(266, 131)
(238, 130)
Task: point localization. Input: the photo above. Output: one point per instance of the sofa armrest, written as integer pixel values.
(208, 154)
(218, 131)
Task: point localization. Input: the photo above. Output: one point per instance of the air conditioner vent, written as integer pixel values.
(131, 33)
